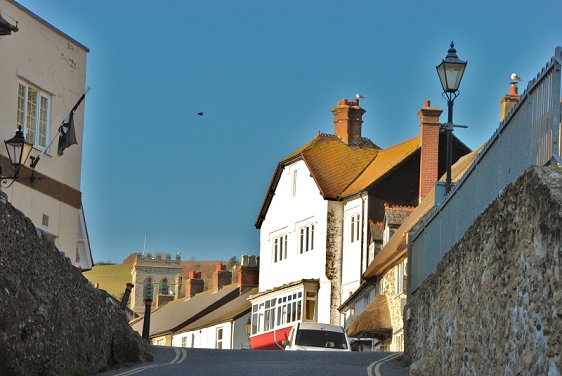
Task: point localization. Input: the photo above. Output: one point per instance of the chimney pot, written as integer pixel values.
(348, 120)
(427, 103)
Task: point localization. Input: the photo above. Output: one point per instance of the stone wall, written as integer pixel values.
(52, 322)
(494, 304)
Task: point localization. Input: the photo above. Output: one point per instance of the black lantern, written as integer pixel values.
(18, 152)
(451, 70)
(450, 73)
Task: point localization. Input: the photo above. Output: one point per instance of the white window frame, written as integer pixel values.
(354, 227)
(279, 247)
(305, 238)
(219, 337)
(399, 340)
(401, 274)
(184, 341)
(33, 132)
(294, 175)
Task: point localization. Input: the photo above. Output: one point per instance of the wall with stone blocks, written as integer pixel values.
(494, 304)
(52, 322)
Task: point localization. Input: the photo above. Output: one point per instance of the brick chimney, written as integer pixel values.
(249, 272)
(429, 139)
(348, 118)
(194, 284)
(509, 100)
(162, 300)
(221, 277)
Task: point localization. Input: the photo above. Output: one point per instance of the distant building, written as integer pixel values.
(157, 277)
(314, 221)
(217, 318)
(43, 74)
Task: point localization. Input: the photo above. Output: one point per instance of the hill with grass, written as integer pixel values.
(113, 278)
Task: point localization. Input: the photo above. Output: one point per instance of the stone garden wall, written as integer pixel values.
(494, 304)
(52, 322)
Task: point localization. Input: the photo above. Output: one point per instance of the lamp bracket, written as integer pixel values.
(450, 96)
(448, 126)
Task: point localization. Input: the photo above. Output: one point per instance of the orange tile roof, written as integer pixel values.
(341, 170)
(386, 160)
(334, 164)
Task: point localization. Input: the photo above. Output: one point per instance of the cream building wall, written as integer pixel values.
(44, 58)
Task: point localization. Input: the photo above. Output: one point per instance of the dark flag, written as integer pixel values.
(67, 136)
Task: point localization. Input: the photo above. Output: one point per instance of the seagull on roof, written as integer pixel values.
(200, 113)
(515, 77)
(359, 96)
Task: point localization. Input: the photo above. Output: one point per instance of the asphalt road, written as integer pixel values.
(169, 361)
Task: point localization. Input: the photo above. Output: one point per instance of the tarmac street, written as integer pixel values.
(170, 361)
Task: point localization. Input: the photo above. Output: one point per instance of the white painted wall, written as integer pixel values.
(285, 215)
(351, 261)
(40, 56)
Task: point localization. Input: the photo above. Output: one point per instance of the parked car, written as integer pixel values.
(312, 336)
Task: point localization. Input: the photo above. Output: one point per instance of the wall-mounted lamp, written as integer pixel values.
(18, 153)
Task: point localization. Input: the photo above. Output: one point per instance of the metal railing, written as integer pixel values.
(529, 135)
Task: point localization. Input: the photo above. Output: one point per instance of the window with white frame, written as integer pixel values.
(218, 344)
(33, 114)
(280, 311)
(306, 238)
(401, 277)
(399, 341)
(354, 227)
(279, 248)
(184, 341)
(294, 175)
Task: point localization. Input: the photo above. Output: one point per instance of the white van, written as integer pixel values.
(312, 336)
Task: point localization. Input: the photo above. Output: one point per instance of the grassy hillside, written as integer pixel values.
(113, 278)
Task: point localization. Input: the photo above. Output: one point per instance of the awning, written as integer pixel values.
(373, 322)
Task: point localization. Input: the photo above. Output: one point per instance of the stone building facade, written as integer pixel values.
(493, 306)
(157, 277)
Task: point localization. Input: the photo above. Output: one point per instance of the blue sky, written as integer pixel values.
(266, 75)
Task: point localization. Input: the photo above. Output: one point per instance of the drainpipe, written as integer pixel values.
(362, 236)
(126, 295)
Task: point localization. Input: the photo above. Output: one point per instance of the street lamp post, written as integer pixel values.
(450, 73)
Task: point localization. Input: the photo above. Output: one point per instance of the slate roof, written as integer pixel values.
(227, 312)
(182, 312)
(395, 215)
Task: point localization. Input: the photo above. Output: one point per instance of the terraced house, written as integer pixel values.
(315, 238)
(43, 75)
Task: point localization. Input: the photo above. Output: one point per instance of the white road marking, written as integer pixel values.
(176, 360)
(183, 356)
(137, 370)
(378, 363)
(178, 353)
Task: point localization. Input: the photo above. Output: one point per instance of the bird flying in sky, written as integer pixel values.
(200, 113)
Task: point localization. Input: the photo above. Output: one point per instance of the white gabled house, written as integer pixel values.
(314, 238)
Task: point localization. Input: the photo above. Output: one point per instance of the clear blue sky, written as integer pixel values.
(266, 74)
